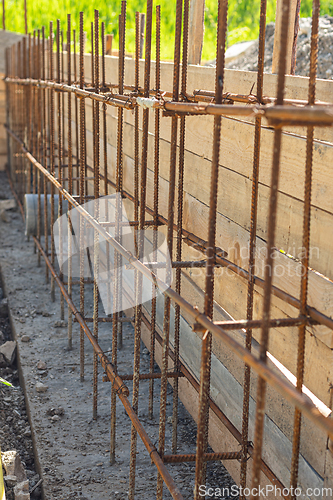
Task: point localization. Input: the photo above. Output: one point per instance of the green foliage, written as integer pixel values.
(243, 19)
(3, 381)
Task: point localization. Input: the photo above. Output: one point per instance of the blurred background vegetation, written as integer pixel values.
(243, 19)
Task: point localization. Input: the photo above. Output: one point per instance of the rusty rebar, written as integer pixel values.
(82, 190)
(171, 200)
(39, 144)
(96, 209)
(52, 166)
(277, 382)
(180, 209)
(305, 247)
(203, 417)
(140, 250)
(70, 177)
(261, 385)
(77, 148)
(44, 107)
(155, 202)
(252, 248)
(136, 122)
(60, 113)
(207, 457)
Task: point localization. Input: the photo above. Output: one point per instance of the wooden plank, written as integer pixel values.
(109, 40)
(3, 161)
(277, 35)
(196, 31)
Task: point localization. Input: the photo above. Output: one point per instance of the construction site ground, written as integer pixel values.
(72, 449)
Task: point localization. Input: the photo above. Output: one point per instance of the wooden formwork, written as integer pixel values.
(233, 221)
(233, 236)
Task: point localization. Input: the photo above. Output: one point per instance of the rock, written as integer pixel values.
(55, 418)
(8, 350)
(25, 338)
(12, 463)
(3, 362)
(60, 324)
(3, 308)
(41, 365)
(4, 216)
(41, 387)
(7, 204)
(55, 411)
(10, 481)
(21, 491)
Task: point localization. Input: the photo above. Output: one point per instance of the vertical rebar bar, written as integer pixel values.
(96, 213)
(82, 190)
(60, 157)
(38, 155)
(70, 178)
(45, 208)
(105, 165)
(25, 112)
(180, 226)
(252, 247)
(305, 246)
(156, 196)
(140, 240)
(261, 387)
(119, 186)
(34, 114)
(204, 392)
(52, 166)
(136, 121)
(77, 149)
(29, 106)
(171, 200)
(119, 168)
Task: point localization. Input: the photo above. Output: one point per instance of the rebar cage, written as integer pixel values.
(48, 117)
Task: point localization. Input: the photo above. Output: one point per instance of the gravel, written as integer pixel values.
(248, 61)
(15, 432)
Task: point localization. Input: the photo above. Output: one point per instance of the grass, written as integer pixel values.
(243, 19)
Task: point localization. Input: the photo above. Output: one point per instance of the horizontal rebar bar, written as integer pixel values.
(257, 323)
(318, 115)
(228, 455)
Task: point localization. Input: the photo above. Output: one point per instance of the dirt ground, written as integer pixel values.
(72, 450)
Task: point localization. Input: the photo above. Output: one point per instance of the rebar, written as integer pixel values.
(42, 160)
(261, 386)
